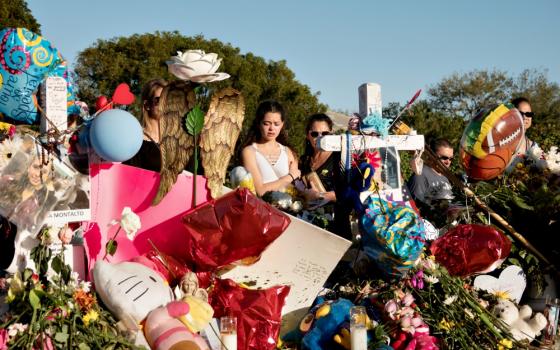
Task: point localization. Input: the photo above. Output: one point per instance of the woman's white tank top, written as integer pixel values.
(269, 172)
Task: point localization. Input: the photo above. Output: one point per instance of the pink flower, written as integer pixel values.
(4, 339)
(44, 343)
(65, 234)
(417, 322)
(407, 311)
(391, 307)
(407, 300)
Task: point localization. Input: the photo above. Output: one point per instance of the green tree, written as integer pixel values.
(16, 14)
(463, 94)
(141, 57)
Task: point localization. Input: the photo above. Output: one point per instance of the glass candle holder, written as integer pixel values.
(228, 332)
(358, 328)
(552, 314)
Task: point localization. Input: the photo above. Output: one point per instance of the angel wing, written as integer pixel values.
(222, 126)
(176, 145)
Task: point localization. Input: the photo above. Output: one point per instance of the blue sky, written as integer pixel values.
(334, 46)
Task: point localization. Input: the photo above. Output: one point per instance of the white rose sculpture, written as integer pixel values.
(196, 66)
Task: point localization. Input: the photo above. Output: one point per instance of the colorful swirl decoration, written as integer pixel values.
(26, 59)
(393, 236)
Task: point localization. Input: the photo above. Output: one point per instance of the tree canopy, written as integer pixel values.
(16, 14)
(141, 57)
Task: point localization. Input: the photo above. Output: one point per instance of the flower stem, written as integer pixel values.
(195, 169)
(112, 239)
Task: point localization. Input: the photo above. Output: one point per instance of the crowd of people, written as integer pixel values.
(274, 164)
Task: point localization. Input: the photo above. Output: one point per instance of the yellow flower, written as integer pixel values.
(502, 294)
(505, 344)
(446, 325)
(92, 315)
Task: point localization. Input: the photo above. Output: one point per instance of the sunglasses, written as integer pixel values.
(528, 114)
(317, 133)
(445, 158)
(155, 101)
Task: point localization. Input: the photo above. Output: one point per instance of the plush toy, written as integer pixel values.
(167, 327)
(319, 327)
(361, 181)
(522, 326)
(134, 293)
(240, 177)
(130, 290)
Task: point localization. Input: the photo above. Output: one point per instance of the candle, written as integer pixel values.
(228, 330)
(358, 338)
(229, 341)
(358, 330)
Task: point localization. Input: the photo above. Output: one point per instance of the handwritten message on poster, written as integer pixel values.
(302, 257)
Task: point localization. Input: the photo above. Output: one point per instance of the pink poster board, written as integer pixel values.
(115, 186)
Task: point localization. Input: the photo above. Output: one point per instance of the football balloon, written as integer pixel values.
(490, 140)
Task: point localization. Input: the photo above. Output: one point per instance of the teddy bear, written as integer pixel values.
(522, 326)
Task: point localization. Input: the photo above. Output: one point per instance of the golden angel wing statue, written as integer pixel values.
(176, 145)
(222, 125)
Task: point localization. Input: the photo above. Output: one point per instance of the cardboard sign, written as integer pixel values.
(53, 96)
(303, 257)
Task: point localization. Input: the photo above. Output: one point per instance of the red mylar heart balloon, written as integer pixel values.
(122, 95)
(101, 103)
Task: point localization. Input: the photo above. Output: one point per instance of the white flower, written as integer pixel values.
(85, 286)
(130, 222)
(450, 300)
(16, 328)
(431, 279)
(8, 148)
(192, 63)
(552, 159)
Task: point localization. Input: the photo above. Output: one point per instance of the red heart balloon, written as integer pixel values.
(122, 95)
(101, 103)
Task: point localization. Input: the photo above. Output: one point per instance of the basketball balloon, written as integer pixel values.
(490, 140)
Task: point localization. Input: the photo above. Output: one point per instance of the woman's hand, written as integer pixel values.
(295, 173)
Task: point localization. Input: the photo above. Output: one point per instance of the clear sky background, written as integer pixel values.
(334, 46)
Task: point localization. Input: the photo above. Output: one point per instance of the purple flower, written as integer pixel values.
(417, 280)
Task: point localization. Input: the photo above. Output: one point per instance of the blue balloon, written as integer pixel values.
(116, 135)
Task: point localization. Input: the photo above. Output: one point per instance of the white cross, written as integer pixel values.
(370, 102)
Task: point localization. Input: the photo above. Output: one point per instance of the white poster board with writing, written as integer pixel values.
(302, 257)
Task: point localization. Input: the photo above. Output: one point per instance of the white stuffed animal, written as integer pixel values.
(130, 290)
(522, 326)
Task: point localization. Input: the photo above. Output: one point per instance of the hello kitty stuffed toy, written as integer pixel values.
(522, 326)
(166, 328)
(141, 299)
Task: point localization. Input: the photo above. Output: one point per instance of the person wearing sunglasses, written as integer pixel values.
(430, 186)
(267, 155)
(149, 156)
(524, 107)
(321, 170)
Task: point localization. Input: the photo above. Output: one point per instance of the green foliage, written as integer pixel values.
(141, 57)
(462, 95)
(16, 14)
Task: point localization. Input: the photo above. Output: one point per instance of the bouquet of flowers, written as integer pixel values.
(51, 311)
